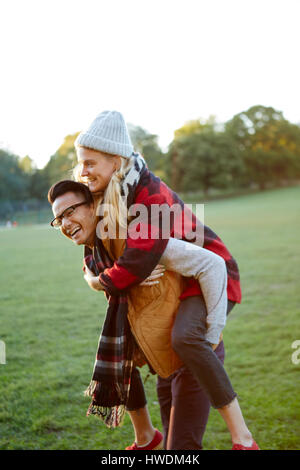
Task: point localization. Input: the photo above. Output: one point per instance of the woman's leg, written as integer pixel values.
(138, 411)
(235, 422)
(143, 428)
(188, 340)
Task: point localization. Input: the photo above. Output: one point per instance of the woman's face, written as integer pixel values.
(97, 168)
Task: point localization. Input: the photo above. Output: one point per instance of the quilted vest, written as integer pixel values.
(151, 314)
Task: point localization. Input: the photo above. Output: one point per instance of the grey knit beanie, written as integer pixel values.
(108, 133)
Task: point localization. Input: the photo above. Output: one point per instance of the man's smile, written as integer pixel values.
(74, 231)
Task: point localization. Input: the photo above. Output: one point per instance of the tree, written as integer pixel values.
(27, 165)
(196, 126)
(14, 182)
(206, 161)
(269, 144)
(203, 157)
(63, 161)
(176, 171)
(146, 144)
(40, 185)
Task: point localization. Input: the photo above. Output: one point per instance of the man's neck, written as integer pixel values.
(91, 243)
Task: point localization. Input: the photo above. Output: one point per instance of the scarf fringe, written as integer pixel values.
(112, 416)
(104, 392)
(91, 388)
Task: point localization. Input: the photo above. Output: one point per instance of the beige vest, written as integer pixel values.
(151, 314)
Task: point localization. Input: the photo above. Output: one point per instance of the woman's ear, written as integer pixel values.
(117, 162)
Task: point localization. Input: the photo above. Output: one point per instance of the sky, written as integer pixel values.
(160, 62)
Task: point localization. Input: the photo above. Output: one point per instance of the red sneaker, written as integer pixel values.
(254, 446)
(155, 444)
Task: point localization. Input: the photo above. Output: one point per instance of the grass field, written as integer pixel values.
(50, 323)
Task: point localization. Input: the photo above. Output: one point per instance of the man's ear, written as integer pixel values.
(93, 208)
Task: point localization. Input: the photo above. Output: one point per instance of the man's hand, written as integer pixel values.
(154, 277)
(92, 280)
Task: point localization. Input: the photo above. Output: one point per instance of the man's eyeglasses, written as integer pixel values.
(57, 222)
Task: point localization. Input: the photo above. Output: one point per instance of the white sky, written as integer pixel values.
(159, 62)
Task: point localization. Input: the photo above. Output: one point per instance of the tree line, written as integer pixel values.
(256, 148)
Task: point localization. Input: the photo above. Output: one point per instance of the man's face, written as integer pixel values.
(79, 224)
(97, 168)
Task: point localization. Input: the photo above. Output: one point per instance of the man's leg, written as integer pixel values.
(188, 340)
(184, 408)
(164, 394)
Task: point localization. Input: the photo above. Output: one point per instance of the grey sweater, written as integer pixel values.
(209, 269)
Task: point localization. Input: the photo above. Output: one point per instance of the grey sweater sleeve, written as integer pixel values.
(209, 269)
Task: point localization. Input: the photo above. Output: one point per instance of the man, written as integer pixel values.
(74, 212)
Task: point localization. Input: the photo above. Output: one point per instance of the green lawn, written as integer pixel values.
(51, 320)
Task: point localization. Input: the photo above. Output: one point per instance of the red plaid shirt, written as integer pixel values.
(142, 255)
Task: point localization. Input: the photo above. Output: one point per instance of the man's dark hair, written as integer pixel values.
(65, 186)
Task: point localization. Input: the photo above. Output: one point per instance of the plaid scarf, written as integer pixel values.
(110, 384)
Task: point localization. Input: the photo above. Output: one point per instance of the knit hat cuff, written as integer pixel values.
(104, 145)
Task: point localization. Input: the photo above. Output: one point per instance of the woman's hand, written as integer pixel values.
(92, 280)
(154, 277)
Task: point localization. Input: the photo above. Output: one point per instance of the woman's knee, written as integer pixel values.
(185, 336)
(190, 323)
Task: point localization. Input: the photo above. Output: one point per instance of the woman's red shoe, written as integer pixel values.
(254, 446)
(155, 444)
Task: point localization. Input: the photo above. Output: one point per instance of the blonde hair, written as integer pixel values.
(115, 204)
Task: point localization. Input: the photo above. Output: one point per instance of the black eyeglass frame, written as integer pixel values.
(60, 217)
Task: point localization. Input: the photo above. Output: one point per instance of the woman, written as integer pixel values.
(109, 166)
